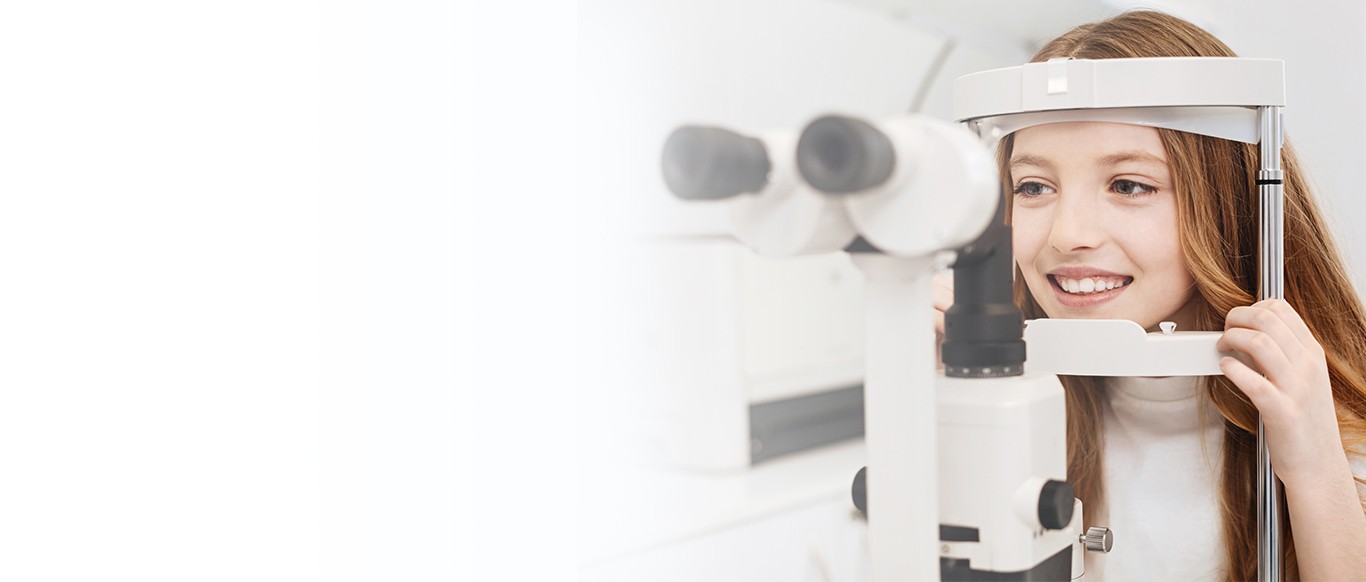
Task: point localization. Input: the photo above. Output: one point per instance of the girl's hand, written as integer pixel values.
(1294, 397)
(943, 300)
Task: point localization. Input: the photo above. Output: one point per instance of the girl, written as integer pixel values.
(1115, 221)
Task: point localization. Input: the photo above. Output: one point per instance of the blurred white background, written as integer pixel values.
(287, 290)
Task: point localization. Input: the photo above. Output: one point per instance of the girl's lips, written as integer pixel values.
(1084, 301)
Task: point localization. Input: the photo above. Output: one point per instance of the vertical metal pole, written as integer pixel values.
(1271, 272)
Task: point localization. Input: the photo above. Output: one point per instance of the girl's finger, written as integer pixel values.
(1261, 318)
(1264, 351)
(1258, 389)
(1293, 322)
(943, 293)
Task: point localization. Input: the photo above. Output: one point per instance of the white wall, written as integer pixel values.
(158, 291)
(288, 290)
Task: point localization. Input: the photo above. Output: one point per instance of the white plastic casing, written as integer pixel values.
(1211, 96)
(1079, 549)
(999, 439)
(941, 195)
(788, 218)
(1061, 84)
(1118, 347)
(901, 426)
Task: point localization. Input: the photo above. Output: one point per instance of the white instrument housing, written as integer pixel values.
(1000, 439)
(787, 218)
(941, 195)
(1118, 347)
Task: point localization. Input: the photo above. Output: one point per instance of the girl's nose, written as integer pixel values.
(1076, 225)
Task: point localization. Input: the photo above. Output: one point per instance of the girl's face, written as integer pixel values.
(1095, 229)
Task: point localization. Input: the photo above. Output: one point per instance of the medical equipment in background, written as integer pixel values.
(765, 358)
(912, 188)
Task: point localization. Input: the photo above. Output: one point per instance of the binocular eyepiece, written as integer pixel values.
(835, 155)
(711, 163)
(851, 167)
(843, 155)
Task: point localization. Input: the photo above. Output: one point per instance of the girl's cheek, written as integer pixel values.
(1026, 235)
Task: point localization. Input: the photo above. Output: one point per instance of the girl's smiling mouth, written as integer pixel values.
(1083, 287)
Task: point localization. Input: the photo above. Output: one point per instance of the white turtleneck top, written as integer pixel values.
(1163, 458)
(1163, 455)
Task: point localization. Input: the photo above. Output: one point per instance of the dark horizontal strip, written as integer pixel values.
(958, 533)
(805, 422)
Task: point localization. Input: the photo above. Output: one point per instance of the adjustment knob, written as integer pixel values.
(1098, 539)
(1055, 504)
(860, 491)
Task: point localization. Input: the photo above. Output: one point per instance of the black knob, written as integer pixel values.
(841, 155)
(1055, 504)
(710, 163)
(860, 491)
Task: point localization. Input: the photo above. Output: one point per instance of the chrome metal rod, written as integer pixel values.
(1271, 273)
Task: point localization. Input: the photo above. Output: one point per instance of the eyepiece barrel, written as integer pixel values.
(983, 329)
(842, 155)
(711, 163)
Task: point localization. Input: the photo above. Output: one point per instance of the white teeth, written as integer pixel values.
(1089, 285)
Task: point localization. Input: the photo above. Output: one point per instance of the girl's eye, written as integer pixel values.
(1031, 189)
(1131, 188)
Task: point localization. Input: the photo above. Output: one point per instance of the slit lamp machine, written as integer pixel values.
(903, 195)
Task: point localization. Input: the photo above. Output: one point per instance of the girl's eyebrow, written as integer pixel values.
(1110, 160)
(1028, 160)
(1131, 156)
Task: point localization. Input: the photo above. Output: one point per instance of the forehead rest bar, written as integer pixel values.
(1213, 96)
